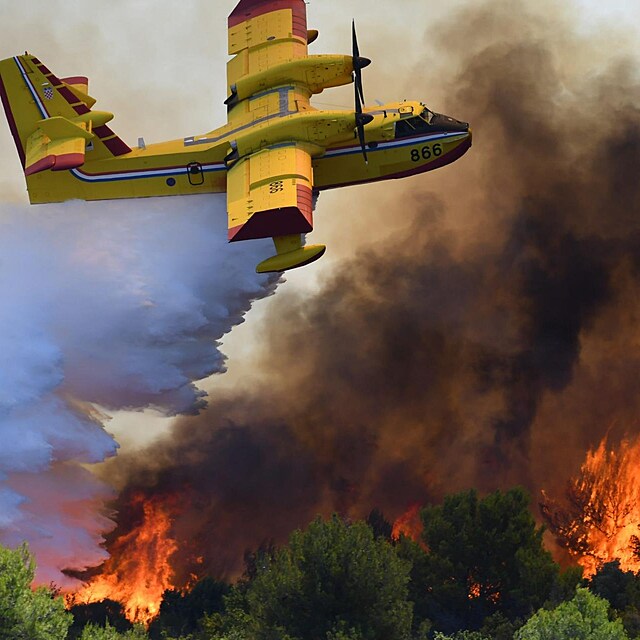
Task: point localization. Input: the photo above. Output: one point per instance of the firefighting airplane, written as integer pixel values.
(275, 152)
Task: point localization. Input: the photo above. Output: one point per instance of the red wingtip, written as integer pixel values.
(248, 9)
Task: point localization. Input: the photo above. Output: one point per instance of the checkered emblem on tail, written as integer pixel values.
(48, 93)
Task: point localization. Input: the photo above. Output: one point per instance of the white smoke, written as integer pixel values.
(115, 304)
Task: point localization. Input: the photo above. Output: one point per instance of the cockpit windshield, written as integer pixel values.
(411, 126)
(427, 121)
(427, 115)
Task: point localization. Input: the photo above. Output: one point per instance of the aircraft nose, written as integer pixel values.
(446, 123)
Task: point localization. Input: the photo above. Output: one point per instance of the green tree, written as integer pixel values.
(619, 587)
(332, 581)
(461, 635)
(27, 614)
(485, 556)
(622, 590)
(96, 632)
(181, 612)
(565, 585)
(583, 618)
(497, 627)
(99, 613)
(380, 526)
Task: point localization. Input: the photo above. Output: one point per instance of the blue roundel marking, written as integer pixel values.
(171, 182)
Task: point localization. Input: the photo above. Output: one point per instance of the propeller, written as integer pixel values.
(359, 63)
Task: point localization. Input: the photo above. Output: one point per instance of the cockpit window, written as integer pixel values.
(410, 126)
(406, 127)
(427, 115)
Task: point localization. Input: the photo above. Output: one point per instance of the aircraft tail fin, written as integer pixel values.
(51, 118)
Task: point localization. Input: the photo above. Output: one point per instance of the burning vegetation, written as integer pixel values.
(139, 569)
(408, 524)
(598, 518)
(339, 572)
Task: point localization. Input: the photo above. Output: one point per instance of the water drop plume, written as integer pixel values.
(105, 306)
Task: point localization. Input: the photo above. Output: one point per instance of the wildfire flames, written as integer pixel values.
(408, 524)
(138, 571)
(599, 520)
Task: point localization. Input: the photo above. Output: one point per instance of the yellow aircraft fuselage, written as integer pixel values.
(197, 164)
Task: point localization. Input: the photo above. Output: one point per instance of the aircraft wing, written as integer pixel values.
(270, 183)
(269, 193)
(262, 35)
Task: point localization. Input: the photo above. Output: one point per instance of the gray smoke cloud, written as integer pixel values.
(487, 339)
(105, 306)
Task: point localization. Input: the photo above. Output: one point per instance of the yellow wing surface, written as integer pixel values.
(269, 194)
(264, 34)
(269, 191)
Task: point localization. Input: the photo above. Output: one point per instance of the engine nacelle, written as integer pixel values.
(315, 72)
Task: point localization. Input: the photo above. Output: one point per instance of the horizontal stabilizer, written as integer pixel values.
(58, 128)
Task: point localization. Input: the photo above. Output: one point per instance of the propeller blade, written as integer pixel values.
(363, 145)
(359, 63)
(354, 37)
(361, 120)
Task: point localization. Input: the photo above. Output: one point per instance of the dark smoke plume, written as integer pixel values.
(487, 342)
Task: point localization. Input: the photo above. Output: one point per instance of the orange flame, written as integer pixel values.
(475, 590)
(138, 571)
(408, 524)
(602, 520)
